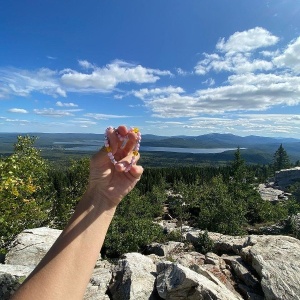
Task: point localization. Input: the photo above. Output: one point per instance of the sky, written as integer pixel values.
(169, 67)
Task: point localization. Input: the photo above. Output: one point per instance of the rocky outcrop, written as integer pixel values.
(287, 177)
(251, 267)
(178, 282)
(134, 278)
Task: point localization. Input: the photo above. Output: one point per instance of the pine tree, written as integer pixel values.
(281, 159)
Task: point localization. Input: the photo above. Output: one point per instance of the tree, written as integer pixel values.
(25, 193)
(281, 159)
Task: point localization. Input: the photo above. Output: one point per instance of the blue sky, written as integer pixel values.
(170, 67)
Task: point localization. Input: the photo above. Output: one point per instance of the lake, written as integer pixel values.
(156, 149)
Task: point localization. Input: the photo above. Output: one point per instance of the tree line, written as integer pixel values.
(35, 192)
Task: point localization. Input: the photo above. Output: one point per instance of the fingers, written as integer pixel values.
(122, 146)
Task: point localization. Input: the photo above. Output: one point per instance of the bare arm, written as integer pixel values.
(66, 269)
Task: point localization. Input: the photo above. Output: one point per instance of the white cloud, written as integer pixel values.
(182, 72)
(237, 53)
(146, 93)
(108, 77)
(23, 82)
(50, 112)
(85, 64)
(247, 41)
(290, 58)
(244, 92)
(209, 82)
(104, 116)
(18, 110)
(65, 104)
(83, 122)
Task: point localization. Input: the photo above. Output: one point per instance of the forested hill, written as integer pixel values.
(215, 140)
(257, 149)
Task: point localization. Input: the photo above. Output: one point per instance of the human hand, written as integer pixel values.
(112, 182)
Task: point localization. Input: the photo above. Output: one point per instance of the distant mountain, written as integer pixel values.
(257, 148)
(215, 140)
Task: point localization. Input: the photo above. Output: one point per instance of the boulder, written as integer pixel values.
(178, 282)
(164, 249)
(222, 243)
(99, 281)
(276, 259)
(134, 278)
(286, 177)
(31, 245)
(11, 276)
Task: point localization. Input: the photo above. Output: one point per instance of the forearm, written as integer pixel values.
(67, 267)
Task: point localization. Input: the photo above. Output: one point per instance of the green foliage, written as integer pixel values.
(281, 159)
(25, 193)
(218, 209)
(204, 243)
(130, 235)
(69, 185)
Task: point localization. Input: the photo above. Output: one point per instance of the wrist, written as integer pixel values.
(100, 202)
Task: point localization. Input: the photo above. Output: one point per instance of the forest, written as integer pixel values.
(37, 192)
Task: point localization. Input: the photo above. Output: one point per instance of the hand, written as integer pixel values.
(110, 181)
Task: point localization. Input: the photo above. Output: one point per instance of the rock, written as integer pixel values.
(178, 282)
(286, 177)
(11, 277)
(270, 193)
(276, 259)
(168, 225)
(99, 282)
(188, 259)
(31, 245)
(242, 271)
(222, 243)
(134, 278)
(294, 222)
(164, 249)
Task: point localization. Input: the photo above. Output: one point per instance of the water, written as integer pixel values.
(156, 149)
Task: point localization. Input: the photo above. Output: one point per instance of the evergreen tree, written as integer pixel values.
(281, 159)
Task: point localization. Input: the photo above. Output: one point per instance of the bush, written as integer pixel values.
(129, 235)
(204, 243)
(25, 194)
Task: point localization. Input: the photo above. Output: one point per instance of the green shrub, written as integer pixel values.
(129, 235)
(25, 194)
(204, 243)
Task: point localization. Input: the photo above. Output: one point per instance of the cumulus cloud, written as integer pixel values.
(93, 80)
(236, 53)
(108, 77)
(18, 110)
(254, 82)
(244, 92)
(146, 93)
(247, 41)
(290, 58)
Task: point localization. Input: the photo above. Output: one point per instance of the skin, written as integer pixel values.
(66, 269)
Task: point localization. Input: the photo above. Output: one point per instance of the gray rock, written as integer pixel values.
(178, 282)
(277, 261)
(164, 249)
(11, 277)
(222, 243)
(99, 282)
(286, 177)
(134, 278)
(31, 245)
(243, 272)
(270, 193)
